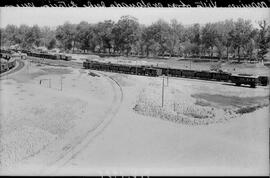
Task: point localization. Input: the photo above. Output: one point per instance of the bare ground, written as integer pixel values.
(139, 139)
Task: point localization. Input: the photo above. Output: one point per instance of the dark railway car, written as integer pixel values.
(246, 80)
(263, 80)
(174, 72)
(133, 70)
(164, 70)
(57, 56)
(65, 58)
(86, 64)
(221, 76)
(94, 66)
(203, 75)
(188, 73)
(153, 71)
(124, 69)
(141, 70)
(111, 67)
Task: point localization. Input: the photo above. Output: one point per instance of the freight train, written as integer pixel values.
(49, 56)
(121, 68)
(173, 72)
(6, 63)
(39, 55)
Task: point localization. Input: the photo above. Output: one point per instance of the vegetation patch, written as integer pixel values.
(202, 102)
(234, 101)
(249, 109)
(179, 108)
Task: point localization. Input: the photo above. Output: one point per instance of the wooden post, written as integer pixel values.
(163, 91)
(167, 76)
(61, 84)
(136, 68)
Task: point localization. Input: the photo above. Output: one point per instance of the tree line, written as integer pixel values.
(224, 39)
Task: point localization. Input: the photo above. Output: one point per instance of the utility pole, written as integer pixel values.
(61, 83)
(136, 68)
(167, 75)
(163, 91)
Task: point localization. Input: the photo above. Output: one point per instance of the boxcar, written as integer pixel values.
(86, 64)
(175, 72)
(263, 80)
(133, 69)
(95, 66)
(188, 73)
(153, 71)
(164, 70)
(112, 67)
(203, 75)
(221, 76)
(246, 80)
(140, 70)
(125, 69)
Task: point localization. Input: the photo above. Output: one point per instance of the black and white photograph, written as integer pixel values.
(134, 91)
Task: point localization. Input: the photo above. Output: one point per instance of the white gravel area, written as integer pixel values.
(36, 117)
(40, 123)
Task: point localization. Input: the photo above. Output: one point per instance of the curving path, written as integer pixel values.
(91, 134)
(19, 66)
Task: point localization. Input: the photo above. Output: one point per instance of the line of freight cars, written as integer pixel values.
(49, 56)
(127, 69)
(157, 71)
(6, 63)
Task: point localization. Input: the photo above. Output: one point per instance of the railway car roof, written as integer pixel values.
(243, 76)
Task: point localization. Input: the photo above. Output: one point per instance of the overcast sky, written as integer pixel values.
(57, 16)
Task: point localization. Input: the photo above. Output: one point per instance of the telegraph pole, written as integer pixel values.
(61, 83)
(136, 68)
(168, 75)
(163, 91)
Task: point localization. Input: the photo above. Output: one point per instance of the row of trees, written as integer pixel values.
(127, 36)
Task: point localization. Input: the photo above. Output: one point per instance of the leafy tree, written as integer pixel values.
(225, 40)
(241, 34)
(209, 37)
(104, 34)
(175, 37)
(82, 35)
(263, 40)
(125, 33)
(193, 35)
(52, 43)
(66, 35)
(148, 39)
(10, 35)
(33, 36)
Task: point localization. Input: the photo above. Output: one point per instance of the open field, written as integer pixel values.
(36, 113)
(142, 143)
(204, 127)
